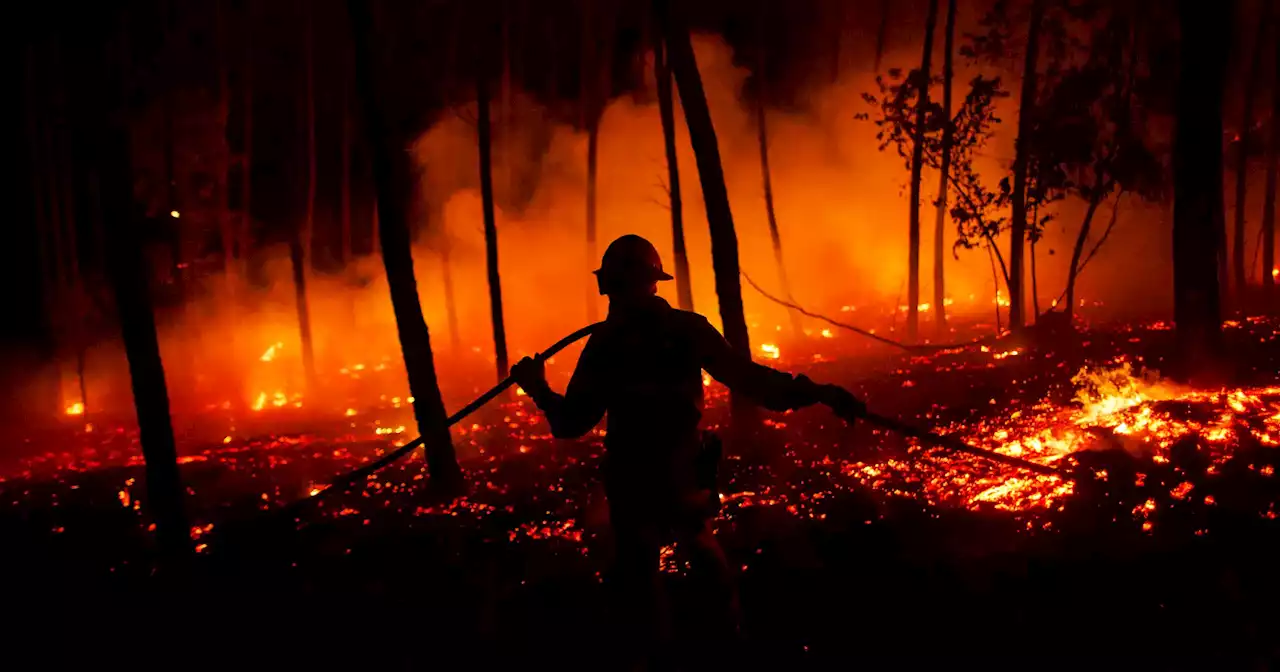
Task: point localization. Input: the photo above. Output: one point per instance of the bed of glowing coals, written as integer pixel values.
(1098, 410)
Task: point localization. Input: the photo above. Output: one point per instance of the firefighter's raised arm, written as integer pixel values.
(773, 389)
(573, 413)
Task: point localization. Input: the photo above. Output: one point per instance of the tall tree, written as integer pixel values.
(1269, 202)
(917, 163)
(1197, 165)
(246, 155)
(762, 135)
(1018, 223)
(882, 33)
(948, 135)
(666, 110)
(597, 61)
(344, 196)
(300, 244)
(393, 177)
(484, 131)
(104, 69)
(702, 135)
(1242, 157)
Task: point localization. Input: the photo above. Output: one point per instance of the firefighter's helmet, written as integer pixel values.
(629, 261)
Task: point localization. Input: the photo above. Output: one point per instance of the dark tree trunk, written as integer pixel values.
(300, 247)
(1035, 283)
(345, 194)
(666, 110)
(490, 226)
(882, 33)
(1242, 158)
(917, 163)
(1018, 227)
(1269, 201)
(596, 67)
(393, 180)
(702, 135)
(762, 135)
(226, 228)
(246, 158)
(1073, 270)
(298, 264)
(1197, 158)
(940, 222)
(108, 149)
(593, 254)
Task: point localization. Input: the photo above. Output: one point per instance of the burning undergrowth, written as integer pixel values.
(1130, 439)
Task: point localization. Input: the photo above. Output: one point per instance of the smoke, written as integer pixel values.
(841, 207)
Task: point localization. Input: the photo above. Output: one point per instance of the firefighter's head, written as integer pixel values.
(630, 267)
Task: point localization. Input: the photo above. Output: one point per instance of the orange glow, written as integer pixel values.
(770, 350)
(75, 409)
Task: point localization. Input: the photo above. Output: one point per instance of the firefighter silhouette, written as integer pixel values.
(643, 367)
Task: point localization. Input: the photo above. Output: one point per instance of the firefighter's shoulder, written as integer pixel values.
(689, 320)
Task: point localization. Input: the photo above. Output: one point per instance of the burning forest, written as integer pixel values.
(271, 258)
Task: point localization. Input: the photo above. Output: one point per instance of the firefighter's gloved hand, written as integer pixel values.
(843, 403)
(530, 374)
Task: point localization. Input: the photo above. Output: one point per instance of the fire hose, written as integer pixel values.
(359, 474)
(941, 441)
(899, 427)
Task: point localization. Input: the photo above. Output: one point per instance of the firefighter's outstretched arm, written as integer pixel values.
(573, 413)
(773, 389)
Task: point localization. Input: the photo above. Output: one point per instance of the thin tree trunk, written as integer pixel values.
(837, 47)
(393, 179)
(246, 158)
(1076, 251)
(490, 226)
(586, 113)
(762, 127)
(142, 348)
(1242, 159)
(882, 33)
(100, 108)
(940, 222)
(666, 110)
(225, 228)
(702, 135)
(917, 163)
(995, 280)
(300, 247)
(1269, 202)
(1035, 284)
(593, 256)
(1018, 228)
(345, 193)
(1197, 174)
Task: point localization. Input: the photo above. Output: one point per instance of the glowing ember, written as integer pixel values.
(1114, 402)
(75, 409)
(770, 350)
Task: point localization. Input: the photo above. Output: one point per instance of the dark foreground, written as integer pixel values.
(1134, 570)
